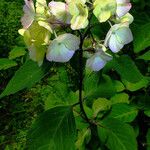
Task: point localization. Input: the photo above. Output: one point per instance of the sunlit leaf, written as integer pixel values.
(120, 98)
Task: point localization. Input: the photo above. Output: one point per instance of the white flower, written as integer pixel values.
(60, 11)
(123, 7)
(98, 60)
(118, 36)
(62, 48)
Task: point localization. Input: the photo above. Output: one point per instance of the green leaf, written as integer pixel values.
(141, 37)
(120, 98)
(96, 86)
(100, 104)
(127, 69)
(56, 99)
(148, 139)
(135, 86)
(118, 85)
(25, 77)
(5, 63)
(145, 56)
(53, 130)
(17, 52)
(84, 137)
(123, 112)
(117, 135)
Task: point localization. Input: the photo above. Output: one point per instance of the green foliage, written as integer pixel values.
(100, 104)
(83, 139)
(127, 69)
(54, 129)
(120, 98)
(25, 77)
(98, 86)
(17, 52)
(117, 135)
(142, 32)
(6, 63)
(10, 13)
(115, 99)
(123, 112)
(145, 56)
(136, 86)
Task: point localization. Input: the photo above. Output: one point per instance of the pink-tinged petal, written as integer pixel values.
(122, 1)
(114, 44)
(123, 9)
(60, 11)
(29, 13)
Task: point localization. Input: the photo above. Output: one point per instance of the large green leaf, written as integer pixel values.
(53, 130)
(127, 69)
(141, 37)
(117, 135)
(96, 86)
(25, 77)
(5, 63)
(123, 112)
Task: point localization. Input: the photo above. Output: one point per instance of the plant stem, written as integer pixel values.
(81, 77)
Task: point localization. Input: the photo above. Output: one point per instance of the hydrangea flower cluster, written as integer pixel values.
(41, 21)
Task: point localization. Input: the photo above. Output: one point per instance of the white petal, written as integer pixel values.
(58, 53)
(123, 9)
(114, 44)
(71, 41)
(124, 35)
(95, 63)
(60, 11)
(107, 38)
